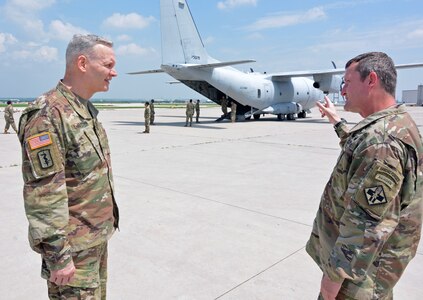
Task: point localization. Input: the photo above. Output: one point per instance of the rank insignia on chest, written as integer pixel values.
(39, 140)
(375, 195)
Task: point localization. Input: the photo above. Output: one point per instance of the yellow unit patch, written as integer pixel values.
(39, 140)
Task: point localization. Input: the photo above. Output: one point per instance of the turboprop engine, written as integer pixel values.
(327, 83)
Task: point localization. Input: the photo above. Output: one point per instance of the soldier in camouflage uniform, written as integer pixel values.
(368, 224)
(68, 183)
(8, 117)
(147, 117)
(152, 112)
(233, 111)
(197, 111)
(189, 113)
(224, 103)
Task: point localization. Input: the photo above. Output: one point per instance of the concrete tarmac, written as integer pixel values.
(212, 211)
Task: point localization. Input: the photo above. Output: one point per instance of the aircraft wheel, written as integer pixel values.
(256, 117)
(302, 115)
(290, 117)
(281, 117)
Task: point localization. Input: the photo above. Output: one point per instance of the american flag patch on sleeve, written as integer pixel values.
(39, 140)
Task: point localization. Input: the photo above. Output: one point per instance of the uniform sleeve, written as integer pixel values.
(343, 133)
(45, 194)
(372, 211)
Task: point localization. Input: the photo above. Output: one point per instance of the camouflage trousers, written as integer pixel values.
(342, 296)
(188, 119)
(10, 122)
(89, 281)
(147, 126)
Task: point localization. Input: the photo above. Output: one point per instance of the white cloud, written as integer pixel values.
(31, 5)
(131, 20)
(124, 38)
(283, 20)
(132, 49)
(416, 34)
(227, 4)
(46, 53)
(64, 31)
(40, 54)
(6, 39)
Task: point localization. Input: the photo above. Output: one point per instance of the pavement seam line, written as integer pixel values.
(259, 273)
(218, 202)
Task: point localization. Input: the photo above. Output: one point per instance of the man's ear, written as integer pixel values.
(82, 63)
(373, 79)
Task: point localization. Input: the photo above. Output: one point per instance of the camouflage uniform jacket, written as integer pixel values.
(368, 224)
(197, 107)
(190, 109)
(147, 114)
(8, 112)
(68, 184)
(152, 108)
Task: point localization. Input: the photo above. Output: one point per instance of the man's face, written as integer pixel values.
(354, 90)
(100, 68)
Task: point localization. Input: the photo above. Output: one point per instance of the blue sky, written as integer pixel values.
(279, 35)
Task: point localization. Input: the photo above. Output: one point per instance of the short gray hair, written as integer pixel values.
(83, 44)
(381, 64)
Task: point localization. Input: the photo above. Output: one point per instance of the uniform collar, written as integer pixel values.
(393, 110)
(82, 110)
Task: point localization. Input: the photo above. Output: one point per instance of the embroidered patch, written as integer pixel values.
(45, 159)
(388, 172)
(375, 195)
(385, 179)
(39, 140)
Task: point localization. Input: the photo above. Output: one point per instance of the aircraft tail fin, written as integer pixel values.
(181, 42)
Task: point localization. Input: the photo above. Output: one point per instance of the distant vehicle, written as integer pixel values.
(288, 95)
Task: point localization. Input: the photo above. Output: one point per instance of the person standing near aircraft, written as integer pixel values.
(197, 111)
(68, 183)
(8, 117)
(224, 103)
(189, 113)
(147, 117)
(233, 111)
(368, 225)
(152, 112)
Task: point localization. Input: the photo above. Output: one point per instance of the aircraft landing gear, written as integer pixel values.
(281, 117)
(290, 117)
(256, 117)
(302, 114)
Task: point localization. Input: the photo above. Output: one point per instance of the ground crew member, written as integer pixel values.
(152, 112)
(224, 103)
(68, 183)
(147, 117)
(233, 111)
(197, 111)
(368, 224)
(189, 113)
(8, 117)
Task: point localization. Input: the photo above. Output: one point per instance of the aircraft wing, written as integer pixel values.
(146, 72)
(286, 75)
(219, 64)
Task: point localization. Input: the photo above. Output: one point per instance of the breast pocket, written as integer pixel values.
(86, 154)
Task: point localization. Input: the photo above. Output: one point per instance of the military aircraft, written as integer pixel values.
(288, 94)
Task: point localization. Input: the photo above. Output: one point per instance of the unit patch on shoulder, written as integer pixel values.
(39, 140)
(44, 156)
(375, 195)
